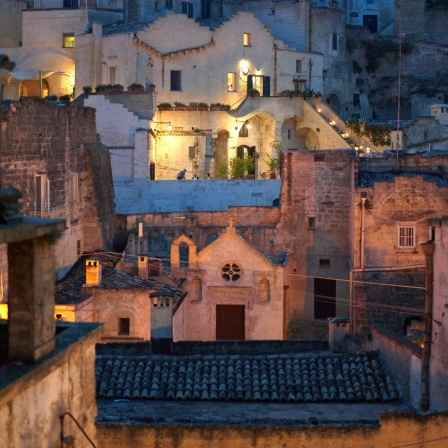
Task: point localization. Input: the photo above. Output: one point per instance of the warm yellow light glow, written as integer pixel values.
(170, 127)
(319, 110)
(248, 125)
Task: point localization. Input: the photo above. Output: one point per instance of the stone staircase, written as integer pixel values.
(140, 104)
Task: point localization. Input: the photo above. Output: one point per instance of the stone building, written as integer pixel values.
(234, 291)
(55, 155)
(101, 288)
(47, 382)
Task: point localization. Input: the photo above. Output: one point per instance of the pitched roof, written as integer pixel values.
(358, 377)
(69, 289)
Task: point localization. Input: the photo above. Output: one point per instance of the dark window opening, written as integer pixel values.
(175, 80)
(123, 326)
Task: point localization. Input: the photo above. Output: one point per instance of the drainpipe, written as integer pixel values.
(428, 250)
(363, 231)
(275, 68)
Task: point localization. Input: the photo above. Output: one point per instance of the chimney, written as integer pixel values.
(93, 272)
(143, 266)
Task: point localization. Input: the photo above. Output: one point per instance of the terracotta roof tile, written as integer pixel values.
(286, 378)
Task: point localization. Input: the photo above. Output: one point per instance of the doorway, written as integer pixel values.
(324, 298)
(230, 322)
(370, 21)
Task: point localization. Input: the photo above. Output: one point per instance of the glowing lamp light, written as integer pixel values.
(248, 125)
(245, 70)
(170, 127)
(319, 110)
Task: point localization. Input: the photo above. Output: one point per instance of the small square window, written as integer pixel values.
(298, 66)
(168, 4)
(68, 40)
(324, 263)
(176, 80)
(311, 222)
(187, 8)
(123, 326)
(406, 236)
(231, 82)
(156, 6)
(319, 158)
(246, 39)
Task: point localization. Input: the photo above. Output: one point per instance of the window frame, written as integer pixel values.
(247, 39)
(179, 81)
(299, 66)
(127, 322)
(229, 75)
(334, 41)
(402, 238)
(66, 36)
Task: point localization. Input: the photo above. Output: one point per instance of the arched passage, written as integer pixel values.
(31, 87)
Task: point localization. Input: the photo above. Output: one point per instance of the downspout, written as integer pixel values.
(275, 69)
(428, 250)
(363, 231)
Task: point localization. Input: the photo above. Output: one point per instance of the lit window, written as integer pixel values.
(123, 326)
(113, 75)
(230, 272)
(175, 80)
(68, 40)
(298, 66)
(406, 236)
(231, 82)
(246, 39)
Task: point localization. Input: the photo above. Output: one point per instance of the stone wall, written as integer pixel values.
(254, 224)
(31, 405)
(315, 226)
(399, 428)
(44, 140)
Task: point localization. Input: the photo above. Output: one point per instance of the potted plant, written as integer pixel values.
(179, 106)
(117, 88)
(65, 99)
(135, 87)
(215, 106)
(203, 106)
(87, 90)
(151, 88)
(193, 106)
(100, 88)
(274, 162)
(253, 92)
(165, 106)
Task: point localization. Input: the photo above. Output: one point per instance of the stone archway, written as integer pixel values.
(310, 138)
(31, 87)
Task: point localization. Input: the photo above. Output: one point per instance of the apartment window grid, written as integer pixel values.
(406, 236)
(68, 40)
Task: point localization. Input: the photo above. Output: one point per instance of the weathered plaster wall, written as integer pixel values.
(403, 359)
(11, 22)
(393, 429)
(31, 406)
(439, 359)
(112, 304)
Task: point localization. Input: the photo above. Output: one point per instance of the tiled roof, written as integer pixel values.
(69, 290)
(358, 377)
(368, 179)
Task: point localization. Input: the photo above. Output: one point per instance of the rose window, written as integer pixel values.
(230, 272)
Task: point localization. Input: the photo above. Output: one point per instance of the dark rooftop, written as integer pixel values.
(294, 378)
(69, 289)
(367, 179)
